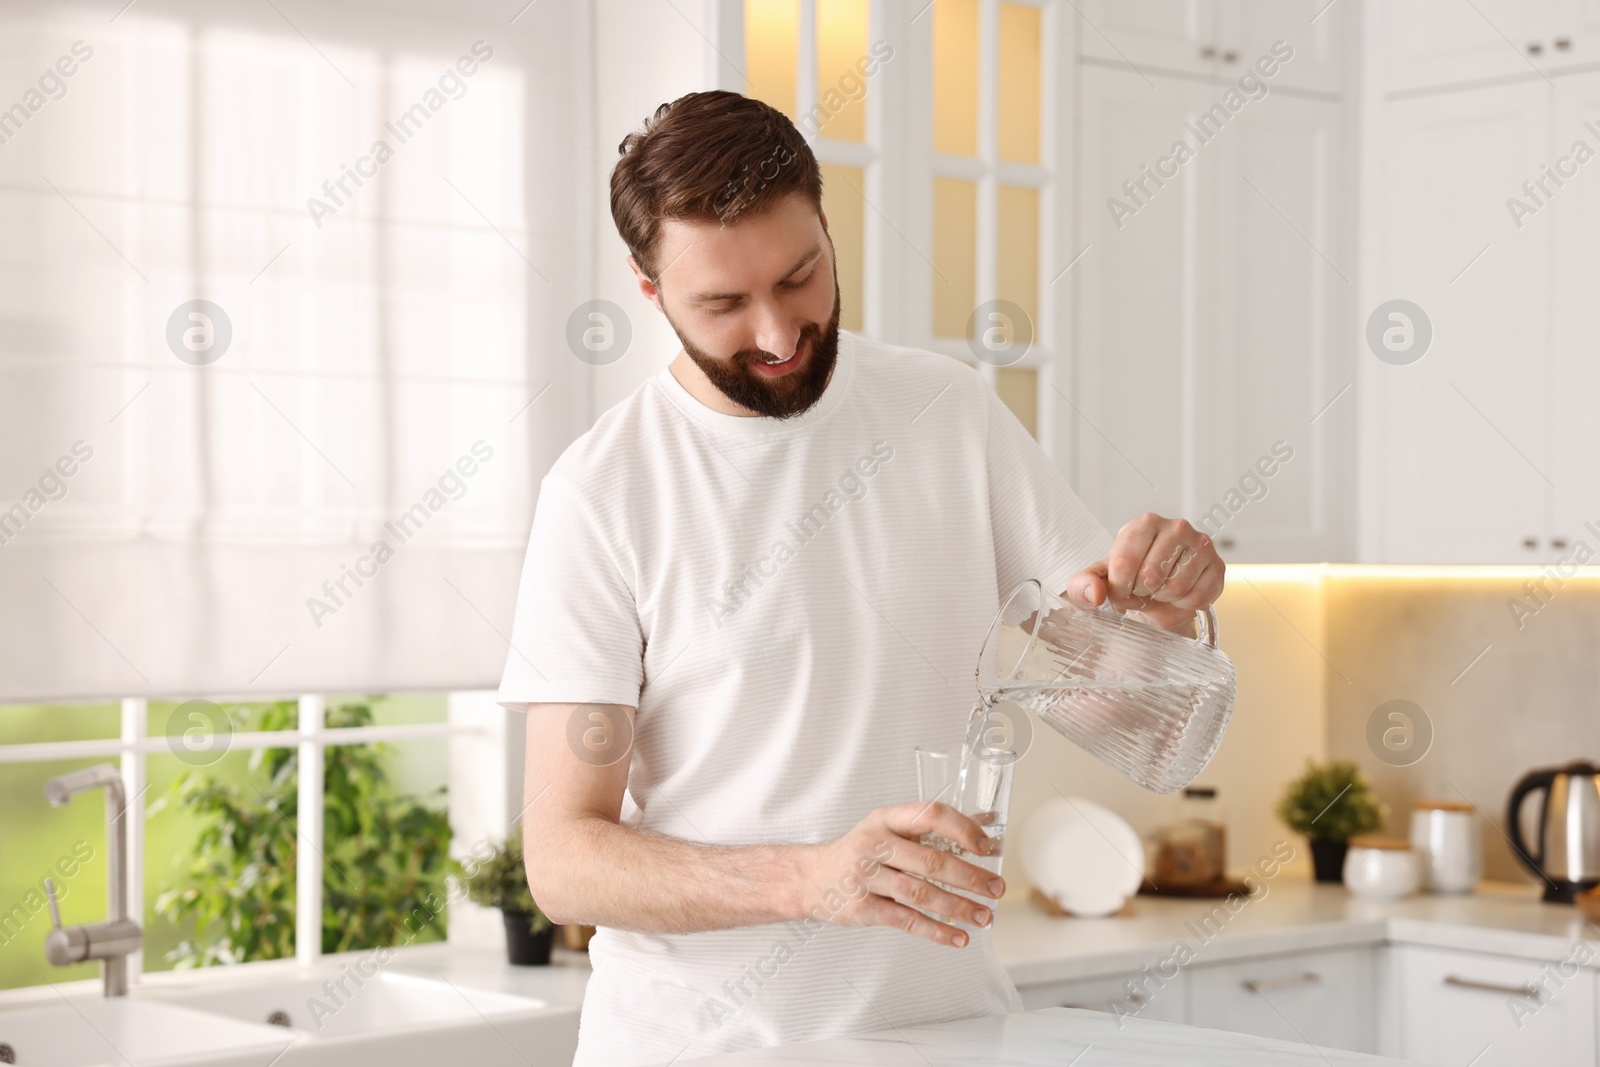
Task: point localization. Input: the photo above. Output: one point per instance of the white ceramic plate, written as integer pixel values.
(1084, 856)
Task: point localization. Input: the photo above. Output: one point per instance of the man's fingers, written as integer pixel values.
(1128, 553)
(915, 819)
(927, 897)
(881, 911)
(948, 868)
(1087, 588)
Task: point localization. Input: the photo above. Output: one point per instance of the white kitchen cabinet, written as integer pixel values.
(1457, 460)
(1574, 414)
(1179, 35)
(1213, 316)
(1144, 996)
(1316, 29)
(1492, 1011)
(1441, 42)
(1326, 998)
(1218, 38)
(1140, 308)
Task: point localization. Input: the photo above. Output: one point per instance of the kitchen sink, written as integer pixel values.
(336, 1019)
(121, 1031)
(343, 1004)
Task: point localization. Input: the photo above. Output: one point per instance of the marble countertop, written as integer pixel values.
(1053, 1037)
(1293, 915)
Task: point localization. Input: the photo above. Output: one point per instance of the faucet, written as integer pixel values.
(110, 941)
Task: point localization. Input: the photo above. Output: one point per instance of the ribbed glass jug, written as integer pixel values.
(1151, 704)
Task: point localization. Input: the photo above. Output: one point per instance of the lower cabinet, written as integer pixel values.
(1147, 994)
(1494, 1011)
(1326, 998)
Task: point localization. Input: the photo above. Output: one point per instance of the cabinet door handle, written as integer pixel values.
(1563, 43)
(1558, 542)
(1534, 47)
(1530, 542)
(1208, 52)
(1256, 985)
(1230, 56)
(1493, 987)
(1105, 1005)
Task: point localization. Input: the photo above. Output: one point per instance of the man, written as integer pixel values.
(751, 588)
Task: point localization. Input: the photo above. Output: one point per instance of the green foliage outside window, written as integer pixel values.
(386, 852)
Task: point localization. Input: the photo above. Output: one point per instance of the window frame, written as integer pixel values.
(900, 165)
(311, 738)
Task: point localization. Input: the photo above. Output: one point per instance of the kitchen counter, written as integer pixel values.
(1293, 915)
(1053, 1037)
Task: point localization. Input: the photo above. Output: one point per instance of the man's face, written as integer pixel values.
(744, 294)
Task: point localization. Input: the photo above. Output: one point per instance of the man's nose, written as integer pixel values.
(778, 334)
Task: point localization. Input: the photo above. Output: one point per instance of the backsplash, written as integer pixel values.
(1502, 700)
(1320, 648)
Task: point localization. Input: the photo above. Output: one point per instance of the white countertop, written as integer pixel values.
(1293, 915)
(1053, 1037)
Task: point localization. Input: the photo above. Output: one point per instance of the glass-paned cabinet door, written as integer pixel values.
(987, 174)
(813, 61)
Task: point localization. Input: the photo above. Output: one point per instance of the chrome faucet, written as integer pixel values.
(113, 940)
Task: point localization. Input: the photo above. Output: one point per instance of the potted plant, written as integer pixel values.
(1330, 804)
(501, 881)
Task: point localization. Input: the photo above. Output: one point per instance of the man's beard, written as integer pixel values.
(777, 398)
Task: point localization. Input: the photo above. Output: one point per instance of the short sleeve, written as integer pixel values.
(1042, 529)
(576, 636)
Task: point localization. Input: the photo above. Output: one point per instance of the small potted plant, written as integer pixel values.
(501, 881)
(1330, 804)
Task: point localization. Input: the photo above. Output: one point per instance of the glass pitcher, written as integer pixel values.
(1151, 704)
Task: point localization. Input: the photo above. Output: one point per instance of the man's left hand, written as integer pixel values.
(1163, 569)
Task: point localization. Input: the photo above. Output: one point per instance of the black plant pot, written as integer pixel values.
(525, 949)
(1327, 859)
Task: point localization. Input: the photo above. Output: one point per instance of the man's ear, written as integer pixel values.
(646, 286)
(824, 216)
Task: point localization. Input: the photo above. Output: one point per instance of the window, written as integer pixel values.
(228, 751)
(967, 200)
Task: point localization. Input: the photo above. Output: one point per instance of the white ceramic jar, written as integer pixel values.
(1381, 868)
(1444, 835)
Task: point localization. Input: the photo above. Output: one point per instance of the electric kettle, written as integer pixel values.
(1567, 857)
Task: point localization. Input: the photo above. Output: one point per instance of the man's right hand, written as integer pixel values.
(875, 875)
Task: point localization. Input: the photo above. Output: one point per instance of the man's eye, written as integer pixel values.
(800, 283)
(719, 310)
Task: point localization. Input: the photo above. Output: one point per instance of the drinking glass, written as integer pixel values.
(977, 783)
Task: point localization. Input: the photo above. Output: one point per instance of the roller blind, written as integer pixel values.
(283, 297)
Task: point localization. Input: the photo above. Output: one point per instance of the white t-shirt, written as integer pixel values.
(792, 605)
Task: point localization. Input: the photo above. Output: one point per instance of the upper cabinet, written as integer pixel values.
(1479, 443)
(1213, 306)
(1223, 39)
(1428, 43)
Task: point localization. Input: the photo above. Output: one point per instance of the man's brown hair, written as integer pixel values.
(710, 156)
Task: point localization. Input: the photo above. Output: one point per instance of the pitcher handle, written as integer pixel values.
(1206, 622)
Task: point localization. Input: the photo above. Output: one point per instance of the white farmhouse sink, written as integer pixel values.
(85, 1032)
(391, 1020)
(341, 1004)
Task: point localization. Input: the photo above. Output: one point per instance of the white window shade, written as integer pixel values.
(412, 331)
